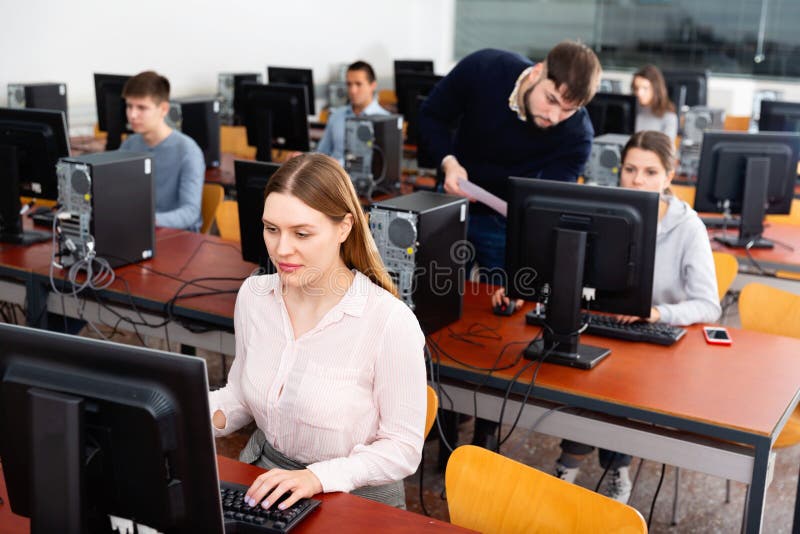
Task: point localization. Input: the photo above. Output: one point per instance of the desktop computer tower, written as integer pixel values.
(421, 238)
(373, 153)
(200, 120)
(38, 96)
(697, 120)
(605, 159)
(229, 90)
(107, 207)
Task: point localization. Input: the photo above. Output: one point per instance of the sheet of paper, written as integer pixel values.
(482, 195)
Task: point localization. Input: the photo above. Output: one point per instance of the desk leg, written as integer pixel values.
(36, 297)
(796, 523)
(758, 488)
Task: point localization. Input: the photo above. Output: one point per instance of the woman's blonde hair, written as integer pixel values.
(321, 183)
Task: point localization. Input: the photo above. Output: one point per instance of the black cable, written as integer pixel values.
(605, 471)
(658, 488)
(421, 472)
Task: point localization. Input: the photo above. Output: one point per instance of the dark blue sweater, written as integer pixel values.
(491, 142)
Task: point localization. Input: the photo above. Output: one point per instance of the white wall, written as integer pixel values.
(190, 41)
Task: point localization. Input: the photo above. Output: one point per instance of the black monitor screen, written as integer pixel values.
(293, 76)
(612, 113)
(412, 87)
(687, 88)
(251, 181)
(277, 117)
(748, 174)
(779, 116)
(563, 237)
(421, 66)
(92, 428)
(111, 116)
(39, 139)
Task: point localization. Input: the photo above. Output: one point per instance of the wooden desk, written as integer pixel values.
(742, 394)
(339, 512)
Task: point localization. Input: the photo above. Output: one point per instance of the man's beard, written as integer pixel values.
(528, 114)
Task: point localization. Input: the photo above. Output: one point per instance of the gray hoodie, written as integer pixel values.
(685, 280)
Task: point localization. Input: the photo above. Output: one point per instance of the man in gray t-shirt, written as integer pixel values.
(179, 166)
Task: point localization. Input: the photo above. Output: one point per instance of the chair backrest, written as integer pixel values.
(684, 192)
(490, 493)
(737, 123)
(212, 198)
(387, 97)
(228, 220)
(793, 218)
(767, 309)
(433, 407)
(726, 266)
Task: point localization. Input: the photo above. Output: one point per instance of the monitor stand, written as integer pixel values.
(754, 200)
(10, 218)
(560, 343)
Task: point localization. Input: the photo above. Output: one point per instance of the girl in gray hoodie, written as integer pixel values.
(684, 281)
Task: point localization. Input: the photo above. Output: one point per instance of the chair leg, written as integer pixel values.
(727, 491)
(675, 500)
(744, 514)
(636, 478)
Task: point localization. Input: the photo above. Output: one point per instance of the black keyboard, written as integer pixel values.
(243, 519)
(715, 223)
(608, 326)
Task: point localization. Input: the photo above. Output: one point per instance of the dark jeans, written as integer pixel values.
(608, 459)
(487, 233)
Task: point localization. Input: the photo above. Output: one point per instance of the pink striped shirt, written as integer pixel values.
(348, 397)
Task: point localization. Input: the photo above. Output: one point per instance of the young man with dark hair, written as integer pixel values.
(179, 166)
(361, 86)
(511, 118)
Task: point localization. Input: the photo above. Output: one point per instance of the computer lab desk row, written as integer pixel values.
(339, 512)
(712, 409)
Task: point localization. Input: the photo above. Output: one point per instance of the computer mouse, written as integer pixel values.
(505, 309)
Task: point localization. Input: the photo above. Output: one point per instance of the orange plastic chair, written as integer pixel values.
(228, 220)
(793, 218)
(433, 407)
(727, 267)
(684, 192)
(212, 198)
(736, 123)
(490, 493)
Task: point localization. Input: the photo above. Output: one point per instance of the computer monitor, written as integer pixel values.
(294, 76)
(31, 142)
(566, 240)
(277, 117)
(422, 66)
(92, 428)
(748, 174)
(410, 87)
(612, 113)
(251, 181)
(111, 116)
(777, 116)
(686, 87)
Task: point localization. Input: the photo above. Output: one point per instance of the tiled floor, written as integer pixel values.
(701, 504)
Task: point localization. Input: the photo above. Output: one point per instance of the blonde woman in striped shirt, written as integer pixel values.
(329, 362)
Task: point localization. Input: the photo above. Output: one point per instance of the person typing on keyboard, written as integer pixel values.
(684, 282)
(329, 362)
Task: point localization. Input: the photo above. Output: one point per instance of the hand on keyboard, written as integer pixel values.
(655, 315)
(269, 487)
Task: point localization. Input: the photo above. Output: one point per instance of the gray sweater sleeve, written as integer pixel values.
(699, 279)
(191, 177)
